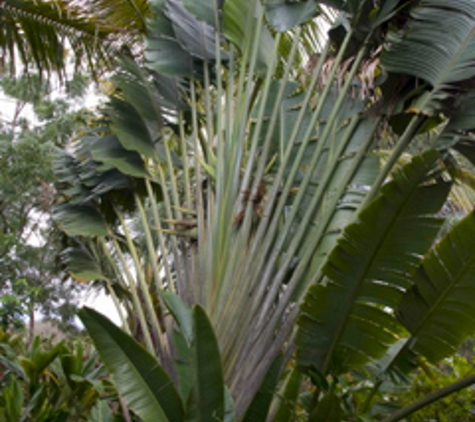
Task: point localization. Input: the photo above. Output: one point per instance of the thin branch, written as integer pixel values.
(431, 398)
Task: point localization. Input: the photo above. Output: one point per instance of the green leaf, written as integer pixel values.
(207, 395)
(140, 380)
(82, 265)
(347, 321)
(182, 364)
(80, 220)
(113, 153)
(439, 310)
(131, 128)
(167, 57)
(328, 409)
(13, 400)
(288, 397)
(425, 51)
(195, 36)
(204, 10)
(285, 16)
(259, 407)
(181, 313)
(240, 26)
(101, 412)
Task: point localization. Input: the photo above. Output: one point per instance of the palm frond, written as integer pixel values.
(48, 34)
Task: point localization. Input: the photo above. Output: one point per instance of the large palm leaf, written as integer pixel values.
(48, 34)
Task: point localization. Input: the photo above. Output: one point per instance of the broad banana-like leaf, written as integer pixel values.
(80, 220)
(140, 380)
(439, 310)
(425, 50)
(457, 133)
(181, 37)
(195, 36)
(204, 10)
(110, 151)
(207, 394)
(182, 364)
(346, 320)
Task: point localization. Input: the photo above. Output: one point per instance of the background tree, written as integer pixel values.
(37, 125)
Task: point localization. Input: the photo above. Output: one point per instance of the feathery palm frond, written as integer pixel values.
(45, 34)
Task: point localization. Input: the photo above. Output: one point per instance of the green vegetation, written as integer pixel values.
(282, 215)
(33, 278)
(51, 382)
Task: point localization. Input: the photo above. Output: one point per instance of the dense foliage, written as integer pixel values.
(36, 125)
(48, 381)
(270, 207)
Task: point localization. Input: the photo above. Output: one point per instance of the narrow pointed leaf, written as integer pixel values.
(288, 397)
(143, 384)
(207, 395)
(181, 312)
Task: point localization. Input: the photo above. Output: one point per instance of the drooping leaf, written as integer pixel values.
(207, 394)
(82, 265)
(439, 310)
(347, 320)
(35, 33)
(143, 384)
(111, 152)
(195, 36)
(425, 51)
(284, 16)
(204, 10)
(167, 57)
(131, 128)
(80, 220)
